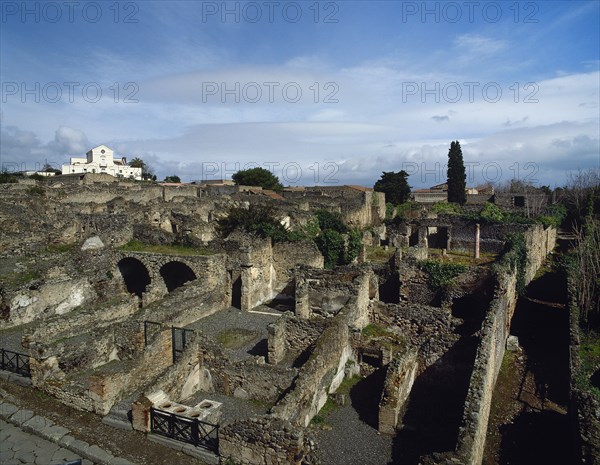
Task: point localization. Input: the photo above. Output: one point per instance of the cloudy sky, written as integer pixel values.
(317, 92)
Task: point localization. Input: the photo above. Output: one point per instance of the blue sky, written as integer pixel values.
(318, 92)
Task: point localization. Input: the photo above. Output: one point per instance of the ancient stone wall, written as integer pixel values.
(494, 332)
(249, 379)
(429, 329)
(286, 256)
(325, 292)
(290, 336)
(264, 441)
(258, 274)
(540, 242)
(399, 378)
(53, 297)
(184, 378)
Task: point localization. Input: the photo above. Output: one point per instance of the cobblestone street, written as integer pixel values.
(19, 447)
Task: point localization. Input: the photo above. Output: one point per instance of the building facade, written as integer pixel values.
(101, 159)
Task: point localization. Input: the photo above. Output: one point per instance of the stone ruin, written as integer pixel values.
(125, 333)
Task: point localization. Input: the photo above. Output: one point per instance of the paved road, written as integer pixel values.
(18, 447)
(35, 440)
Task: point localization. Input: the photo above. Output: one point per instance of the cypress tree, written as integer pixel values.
(456, 175)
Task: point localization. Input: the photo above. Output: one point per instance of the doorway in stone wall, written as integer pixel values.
(437, 237)
(236, 290)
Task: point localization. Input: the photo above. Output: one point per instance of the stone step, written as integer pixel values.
(118, 419)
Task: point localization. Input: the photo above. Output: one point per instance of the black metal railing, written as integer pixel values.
(189, 430)
(179, 339)
(15, 362)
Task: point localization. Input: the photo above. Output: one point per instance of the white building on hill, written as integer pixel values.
(101, 160)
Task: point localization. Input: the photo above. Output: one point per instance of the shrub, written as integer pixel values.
(331, 244)
(329, 220)
(307, 232)
(514, 257)
(491, 213)
(257, 219)
(36, 190)
(441, 274)
(257, 177)
(7, 178)
(354, 245)
(446, 208)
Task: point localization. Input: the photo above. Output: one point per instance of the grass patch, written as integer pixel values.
(388, 339)
(262, 404)
(373, 331)
(375, 253)
(165, 249)
(463, 258)
(20, 278)
(235, 338)
(347, 384)
(321, 417)
(60, 248)
(41, 394)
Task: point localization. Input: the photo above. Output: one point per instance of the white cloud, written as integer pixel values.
(477, 47)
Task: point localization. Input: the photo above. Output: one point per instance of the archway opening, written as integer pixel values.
(135, 275)
(176, 274)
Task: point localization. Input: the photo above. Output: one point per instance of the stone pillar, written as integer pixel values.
(140, 414)
(247, 286)
(477, 240)
(423, 233)
(302, 299)
(276, 342)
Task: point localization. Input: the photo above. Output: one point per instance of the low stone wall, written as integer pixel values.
(540, 242)
(249, 379)
(325, 369)
(399, 378)
(290, 336)
(264, 441)
(494, 333)
(81, 321)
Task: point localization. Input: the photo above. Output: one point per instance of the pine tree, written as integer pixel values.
(395, 186)
(456, 175)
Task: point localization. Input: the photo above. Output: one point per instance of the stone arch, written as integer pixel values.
(176, 274)
(135, 274)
